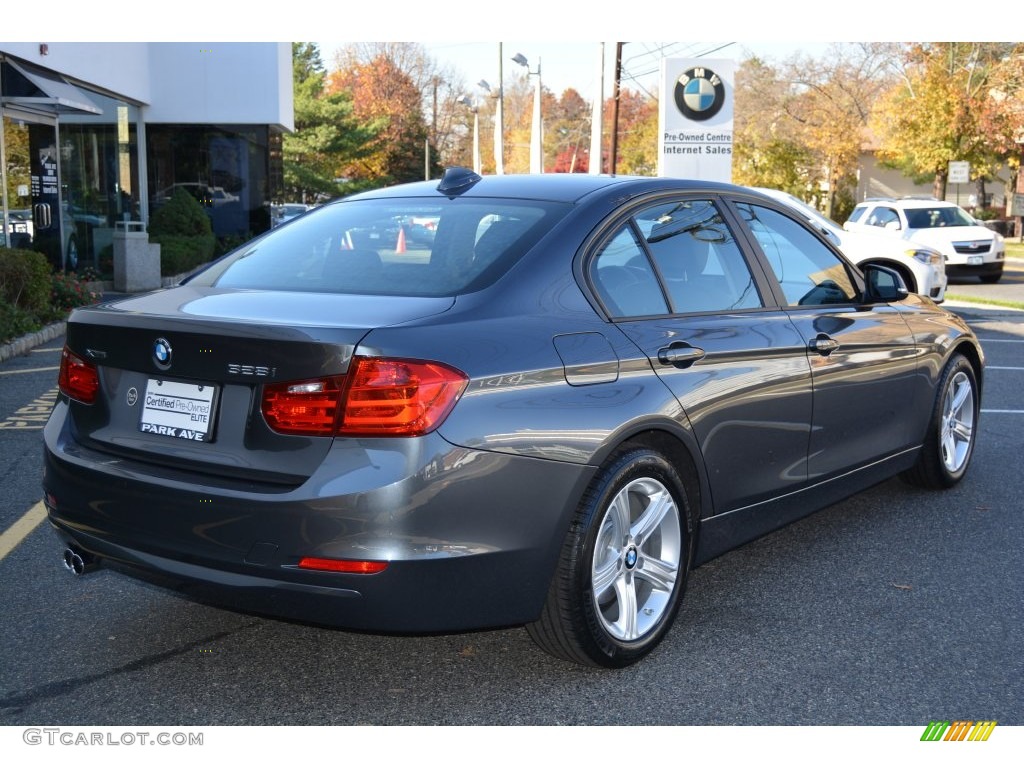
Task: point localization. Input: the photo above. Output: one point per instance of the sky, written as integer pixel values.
(574, 64)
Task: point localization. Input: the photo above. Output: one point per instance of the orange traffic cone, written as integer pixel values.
(400, 245)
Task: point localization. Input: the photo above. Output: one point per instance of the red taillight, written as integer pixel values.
(377, 397)
(78, 379)
(398, 397)
(342, 566)
(303, 408)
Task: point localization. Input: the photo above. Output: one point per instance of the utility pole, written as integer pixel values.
(615, 108)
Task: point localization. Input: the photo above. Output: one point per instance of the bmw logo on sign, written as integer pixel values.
(162, 353)
(699, 93)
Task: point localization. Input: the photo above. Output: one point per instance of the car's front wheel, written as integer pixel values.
(949, 442)
(623, 565)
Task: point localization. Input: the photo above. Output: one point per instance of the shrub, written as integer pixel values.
(67, 292)
(25, 280)
(15, 321)
(184, 232)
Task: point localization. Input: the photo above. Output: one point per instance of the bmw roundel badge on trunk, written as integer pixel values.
(162, 353)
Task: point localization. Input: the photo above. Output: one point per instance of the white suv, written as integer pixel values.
(920, 267)
(971, 250)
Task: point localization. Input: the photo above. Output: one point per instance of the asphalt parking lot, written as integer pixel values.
(895, 607)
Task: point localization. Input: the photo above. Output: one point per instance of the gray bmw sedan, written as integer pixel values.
(577, 389)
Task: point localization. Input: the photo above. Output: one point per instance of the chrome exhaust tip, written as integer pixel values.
(79, 563)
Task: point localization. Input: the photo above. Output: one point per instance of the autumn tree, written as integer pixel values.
(327, 135)
(567, 134)
(768, 148)
(419, 100)
(936, 114)
(831, 101)
(638, 134)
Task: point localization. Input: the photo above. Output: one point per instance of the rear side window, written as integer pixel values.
(681, 251)
(857, 213)
(883, 217)
(395, 246)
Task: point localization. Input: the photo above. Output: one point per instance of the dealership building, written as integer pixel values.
(99, 134)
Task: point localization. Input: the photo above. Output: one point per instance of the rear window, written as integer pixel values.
(857, 212)
(394, 246)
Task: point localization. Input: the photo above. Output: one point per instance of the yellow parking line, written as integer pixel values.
(17, 533)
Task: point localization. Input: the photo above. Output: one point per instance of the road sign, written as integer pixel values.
(959, 172)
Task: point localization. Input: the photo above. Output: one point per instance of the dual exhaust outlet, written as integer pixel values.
(79, 562)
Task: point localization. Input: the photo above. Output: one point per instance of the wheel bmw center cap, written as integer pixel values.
(631, 557)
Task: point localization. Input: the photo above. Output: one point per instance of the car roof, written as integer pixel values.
(555, 187)
(911, 202)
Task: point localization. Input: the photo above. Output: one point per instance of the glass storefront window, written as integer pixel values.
(224, 167)
(69, 177)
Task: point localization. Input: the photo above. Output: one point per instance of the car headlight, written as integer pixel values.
(925, 255)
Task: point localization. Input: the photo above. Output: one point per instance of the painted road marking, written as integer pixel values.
(995, 410)
(34, 415)
(30, 370)
(17, 533)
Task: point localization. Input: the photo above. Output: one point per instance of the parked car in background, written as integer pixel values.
(580, 389)
(921, 267)
(970, 249)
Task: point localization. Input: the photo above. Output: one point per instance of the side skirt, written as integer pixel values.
(726, 531)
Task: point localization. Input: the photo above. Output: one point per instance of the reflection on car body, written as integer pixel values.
(577, 390)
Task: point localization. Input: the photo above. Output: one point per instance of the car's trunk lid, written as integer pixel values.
(182, 372)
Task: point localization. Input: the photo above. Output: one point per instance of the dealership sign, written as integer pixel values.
(695, 119)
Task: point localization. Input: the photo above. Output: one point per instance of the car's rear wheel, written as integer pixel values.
(949, 443)
(623, 565)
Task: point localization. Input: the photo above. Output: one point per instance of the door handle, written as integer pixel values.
(824, 345)
(680, 354)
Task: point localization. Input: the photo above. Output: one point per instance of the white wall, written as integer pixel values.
(241, 83)
(119, 67)
(247, 83)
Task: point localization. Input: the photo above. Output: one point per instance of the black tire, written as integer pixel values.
(949, 441)
(990, 279)
(643, 569)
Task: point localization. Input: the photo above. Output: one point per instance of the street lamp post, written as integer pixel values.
(537, 129)
(499, 142)
(475, 109)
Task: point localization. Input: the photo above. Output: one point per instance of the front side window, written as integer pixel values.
(390, 247)
(808, 272)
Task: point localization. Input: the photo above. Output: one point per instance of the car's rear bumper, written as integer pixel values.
(452, 563)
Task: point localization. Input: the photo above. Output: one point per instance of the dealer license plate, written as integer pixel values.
(180, 410)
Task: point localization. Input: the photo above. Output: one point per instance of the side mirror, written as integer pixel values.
(884, 285)
(893, 225)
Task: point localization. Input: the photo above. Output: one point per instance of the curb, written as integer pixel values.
(23, 344)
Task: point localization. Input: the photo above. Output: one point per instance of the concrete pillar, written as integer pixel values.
(136, 260)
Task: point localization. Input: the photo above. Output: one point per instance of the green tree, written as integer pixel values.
(328, 135)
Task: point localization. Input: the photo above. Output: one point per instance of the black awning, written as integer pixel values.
(40, 90)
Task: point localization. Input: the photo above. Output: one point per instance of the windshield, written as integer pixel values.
(939, 216)
(392, 246)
